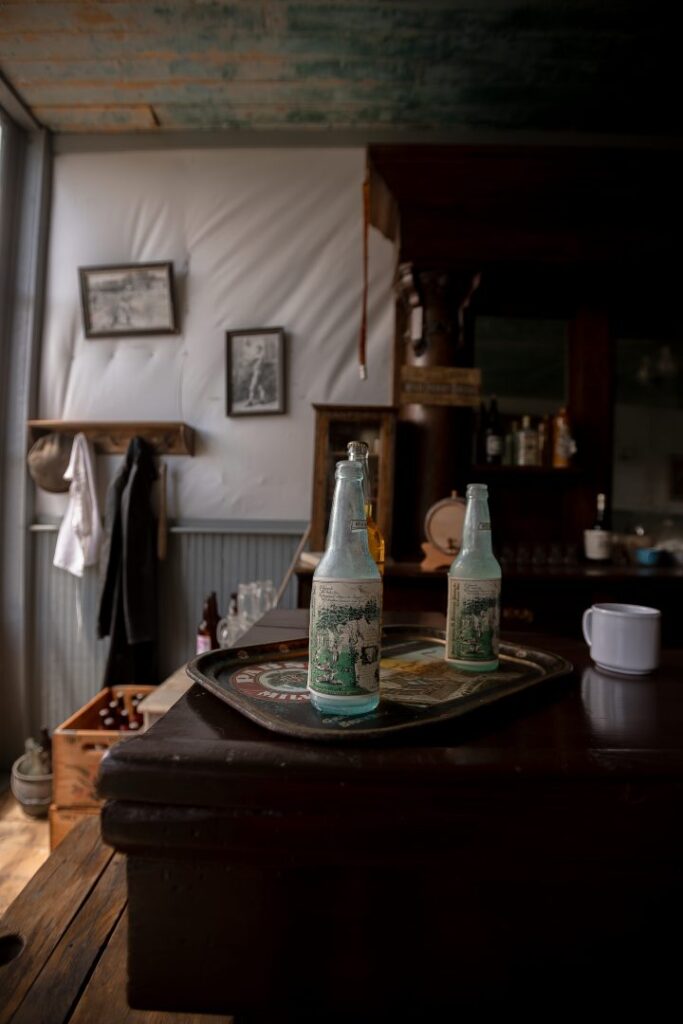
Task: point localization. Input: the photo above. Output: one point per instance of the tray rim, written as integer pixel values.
(298, 647)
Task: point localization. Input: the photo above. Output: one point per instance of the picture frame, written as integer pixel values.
(255, 372)
(128, 299)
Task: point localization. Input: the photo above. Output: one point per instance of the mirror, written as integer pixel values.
(523, 362)
(648, 434)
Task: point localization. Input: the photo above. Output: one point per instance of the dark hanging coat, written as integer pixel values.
(128, 602)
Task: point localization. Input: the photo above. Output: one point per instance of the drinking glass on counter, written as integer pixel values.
(247, 605)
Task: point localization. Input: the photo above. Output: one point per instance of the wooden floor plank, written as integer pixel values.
(43, 911)
(58, 986)
(24, 845)
(104, 1000)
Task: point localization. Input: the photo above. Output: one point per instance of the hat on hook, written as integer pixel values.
(48, 460)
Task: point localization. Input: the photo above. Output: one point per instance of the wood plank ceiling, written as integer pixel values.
(595, 66)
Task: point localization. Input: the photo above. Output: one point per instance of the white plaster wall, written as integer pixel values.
(258, 238)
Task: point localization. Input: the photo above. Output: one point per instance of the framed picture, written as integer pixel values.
(120, 301)
(255, 362)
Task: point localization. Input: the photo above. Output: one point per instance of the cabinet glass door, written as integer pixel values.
(648, 437)
(523, 362)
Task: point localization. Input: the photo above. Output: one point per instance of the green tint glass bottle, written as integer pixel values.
(473, 615)
(358, 452)
(346, 607)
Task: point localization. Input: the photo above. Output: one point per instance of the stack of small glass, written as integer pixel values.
(247, 605)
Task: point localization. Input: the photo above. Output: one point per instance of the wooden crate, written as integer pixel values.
(78, 746)
(63, 819)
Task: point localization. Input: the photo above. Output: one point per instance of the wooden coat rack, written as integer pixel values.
(113, 438)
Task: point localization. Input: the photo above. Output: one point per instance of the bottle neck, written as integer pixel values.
(348, 528)
(476, 534)
(365, 466)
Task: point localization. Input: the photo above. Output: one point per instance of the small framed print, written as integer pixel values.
(255, 365)
(128, 299)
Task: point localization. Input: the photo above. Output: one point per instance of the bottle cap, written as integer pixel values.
(357, 450)
(526, 422)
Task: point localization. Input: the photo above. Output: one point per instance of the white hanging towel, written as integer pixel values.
(78, 541)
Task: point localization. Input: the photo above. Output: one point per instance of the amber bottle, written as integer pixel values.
(206, 630)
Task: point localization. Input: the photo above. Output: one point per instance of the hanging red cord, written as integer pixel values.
(362, 338)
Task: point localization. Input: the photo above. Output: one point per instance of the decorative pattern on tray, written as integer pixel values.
(267, 683)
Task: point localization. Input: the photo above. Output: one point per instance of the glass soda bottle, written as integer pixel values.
(206, 630)
(358, 452)
(473, 616)
(346, 607)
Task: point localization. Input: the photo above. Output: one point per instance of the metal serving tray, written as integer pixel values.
(267, 683)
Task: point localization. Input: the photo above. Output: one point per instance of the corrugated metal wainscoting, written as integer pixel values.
(66, 661)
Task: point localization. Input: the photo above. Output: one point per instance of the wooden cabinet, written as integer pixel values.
(335, 426)
(586, 235)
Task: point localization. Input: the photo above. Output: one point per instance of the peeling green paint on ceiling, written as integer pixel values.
(598, 66)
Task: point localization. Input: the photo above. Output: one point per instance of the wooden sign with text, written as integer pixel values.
(440, 385)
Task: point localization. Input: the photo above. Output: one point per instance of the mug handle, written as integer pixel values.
(585, 625)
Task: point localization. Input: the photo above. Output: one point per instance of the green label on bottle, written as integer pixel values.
(473, 618)
(344, 639)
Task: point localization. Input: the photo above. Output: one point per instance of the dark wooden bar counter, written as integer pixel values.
(527, 857)
(543, 598)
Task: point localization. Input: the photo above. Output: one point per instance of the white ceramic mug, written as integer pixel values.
(623, 638)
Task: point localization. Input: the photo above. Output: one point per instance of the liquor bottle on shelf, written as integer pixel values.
(597, 542)
(527, 444)
(206, 631)
(544, 441)
(358, 452)
(493, 435)
(510, 445)
(563, 443)
(346, 607)
(473, 614)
